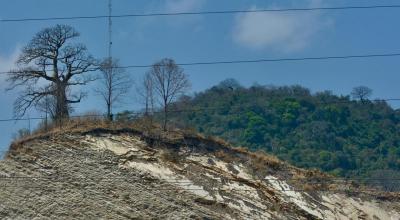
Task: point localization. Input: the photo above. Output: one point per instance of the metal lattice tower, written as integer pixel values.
(110, 30)
(110, 58)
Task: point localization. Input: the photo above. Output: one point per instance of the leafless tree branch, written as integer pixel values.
(48, 67)
(169, 82)
(115, 83)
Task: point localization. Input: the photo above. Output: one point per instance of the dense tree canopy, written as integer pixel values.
(333, 133)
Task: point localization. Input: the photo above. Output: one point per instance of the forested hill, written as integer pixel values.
(333, 133)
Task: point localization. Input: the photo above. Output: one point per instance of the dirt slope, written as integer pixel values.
(125, 174)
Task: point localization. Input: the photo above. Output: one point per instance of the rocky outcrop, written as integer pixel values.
(128, 175)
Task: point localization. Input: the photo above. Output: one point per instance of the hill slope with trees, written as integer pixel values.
(336, 134)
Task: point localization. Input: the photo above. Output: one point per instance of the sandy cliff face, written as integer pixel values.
(128, 175)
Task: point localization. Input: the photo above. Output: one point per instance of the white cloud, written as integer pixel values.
(7, 62)
(281, 31)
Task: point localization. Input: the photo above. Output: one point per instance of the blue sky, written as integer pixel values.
(221, 37)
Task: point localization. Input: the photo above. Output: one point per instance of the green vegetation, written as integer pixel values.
(336, 134)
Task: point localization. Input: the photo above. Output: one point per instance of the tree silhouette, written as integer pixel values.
(361, 92)
(115, 83)
(169, 82)
(49, 66)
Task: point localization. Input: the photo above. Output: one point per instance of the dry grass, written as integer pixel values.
(258, 163)
(89, 119)
(310, 187)
(261, 164)
(219, 141)
(89, 122)
(242, 150)
(84, 123)
(225, 156)
(170, 155)
(311, 180)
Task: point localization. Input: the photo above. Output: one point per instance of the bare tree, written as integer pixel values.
(115, 82)
(169, 82)
(49, 66)
(146, 92)
(47, 106)
(361, 92)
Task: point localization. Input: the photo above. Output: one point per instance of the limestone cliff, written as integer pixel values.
(127, 174)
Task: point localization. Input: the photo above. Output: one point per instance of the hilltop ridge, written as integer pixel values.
(333, 133)
(125, 173)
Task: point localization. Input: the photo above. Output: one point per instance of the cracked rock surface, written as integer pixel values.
(127, 175)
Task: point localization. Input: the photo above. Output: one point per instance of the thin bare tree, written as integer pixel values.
(47, 106)
(169, 82)
(115, 83)
(50, 65)
(361, 92)
(145, 91)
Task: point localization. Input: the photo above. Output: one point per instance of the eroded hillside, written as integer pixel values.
(126, 174)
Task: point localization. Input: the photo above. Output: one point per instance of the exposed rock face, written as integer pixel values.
(127, 175)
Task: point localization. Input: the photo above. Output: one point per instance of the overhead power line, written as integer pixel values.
(276, 60)
(249, 61)
(203, 13)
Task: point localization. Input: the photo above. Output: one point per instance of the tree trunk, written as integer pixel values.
(165, 117)
(146, 111)
(61, 102)
(109, 114)
(109, 98)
